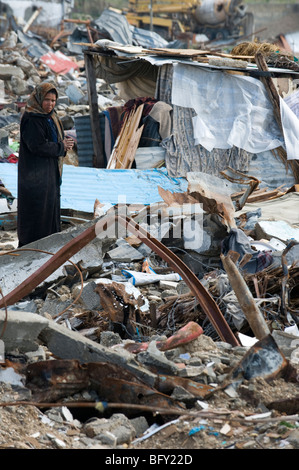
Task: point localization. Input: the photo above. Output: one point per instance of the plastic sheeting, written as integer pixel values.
(292, 101)
(142, 279)
(231, 110)
(291, 130)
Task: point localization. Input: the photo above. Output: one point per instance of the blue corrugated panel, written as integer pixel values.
(84, 140)
(81, 186)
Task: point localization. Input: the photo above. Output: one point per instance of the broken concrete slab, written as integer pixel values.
(19, 86)
(125, 252)
(88, 298)
(74, 93)
(114, 431)
(4, 135)
(21, 330)
(168, 285)
(69, 344)
(53, 307)
(24, 331)
(286, 342)
(157, 361)
(16, 269)
(8, 71)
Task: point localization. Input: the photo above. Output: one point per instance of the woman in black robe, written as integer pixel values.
(42, 148)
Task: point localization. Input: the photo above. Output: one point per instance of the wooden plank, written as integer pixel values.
(139, 51)
(123, 152)
(113, 157)
(270, 87)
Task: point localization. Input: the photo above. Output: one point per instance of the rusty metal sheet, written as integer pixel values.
(52, 380)
(167, 383)
(119, 304)
(115, 389)
(289, 406)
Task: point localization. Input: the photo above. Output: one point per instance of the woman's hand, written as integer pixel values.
(68, 143)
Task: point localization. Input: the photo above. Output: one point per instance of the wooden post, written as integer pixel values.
(270, 87)
(32, 19)
(98, 156)
(247, 303)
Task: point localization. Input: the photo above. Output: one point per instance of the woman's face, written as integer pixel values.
(49, 102)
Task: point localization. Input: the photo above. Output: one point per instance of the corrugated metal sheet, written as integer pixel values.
(81, 186)
(35, 47)
(119, 30)
(59, 63)
(84, 140)
(116, 25)
(148, 39)
(9, 177)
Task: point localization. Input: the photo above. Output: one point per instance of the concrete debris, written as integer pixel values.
(181, 324)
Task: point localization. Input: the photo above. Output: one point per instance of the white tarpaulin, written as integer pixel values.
(290, 124)
(232, 110)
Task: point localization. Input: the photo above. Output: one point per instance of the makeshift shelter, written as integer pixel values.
(218, 108)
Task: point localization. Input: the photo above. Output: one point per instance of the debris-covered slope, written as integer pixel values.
(176, 330)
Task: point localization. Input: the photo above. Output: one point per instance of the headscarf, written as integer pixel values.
(34, 105)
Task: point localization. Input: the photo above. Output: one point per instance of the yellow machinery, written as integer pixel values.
(217, 19)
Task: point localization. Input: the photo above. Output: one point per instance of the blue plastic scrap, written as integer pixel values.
(196, 429)
(210, 431)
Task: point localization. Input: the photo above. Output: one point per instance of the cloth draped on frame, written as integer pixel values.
(182, 155)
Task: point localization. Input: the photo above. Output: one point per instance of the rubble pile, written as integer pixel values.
(257, 414)
(161, 338)
(21, 70)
